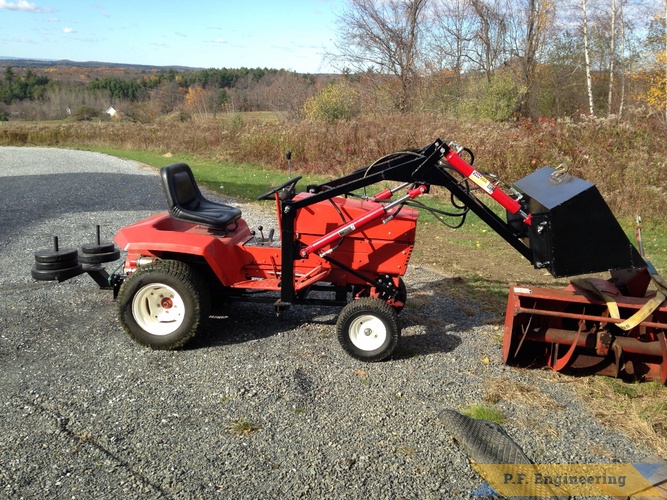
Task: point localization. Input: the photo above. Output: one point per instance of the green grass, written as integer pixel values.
(243, 427)
(484, 413)
(240, 180)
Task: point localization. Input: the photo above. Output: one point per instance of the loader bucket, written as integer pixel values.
(573, 231)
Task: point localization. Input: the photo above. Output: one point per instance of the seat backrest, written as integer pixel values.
(179, 187)
(184, 190)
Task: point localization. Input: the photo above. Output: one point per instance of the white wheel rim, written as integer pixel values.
(367, 332)
(158, 309)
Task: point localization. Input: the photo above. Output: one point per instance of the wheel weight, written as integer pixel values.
(56, 264)
(98, 253)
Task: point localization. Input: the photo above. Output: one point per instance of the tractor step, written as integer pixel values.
(273, 284)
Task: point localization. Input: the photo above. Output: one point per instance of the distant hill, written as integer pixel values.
(17, 62)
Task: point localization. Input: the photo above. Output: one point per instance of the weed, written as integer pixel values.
(408, 451)
(244, 427)
(484, 413)
(504, 389)
(637, 410)
(593, 149)
(363, 376)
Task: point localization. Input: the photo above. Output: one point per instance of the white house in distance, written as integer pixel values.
(111, 111)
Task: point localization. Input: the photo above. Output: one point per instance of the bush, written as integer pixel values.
(85, 113)
(495, 100)
(337, 101)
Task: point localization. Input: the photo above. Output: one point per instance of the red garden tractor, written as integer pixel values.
(338, 245)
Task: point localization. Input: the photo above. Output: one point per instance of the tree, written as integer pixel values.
(587, 57)
(337, 101)
(491, 35)
(452, 35)
(166, 97)
(656, 63)
(385, 36)
(529, 22)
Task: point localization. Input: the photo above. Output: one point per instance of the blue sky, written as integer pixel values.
(289, 34)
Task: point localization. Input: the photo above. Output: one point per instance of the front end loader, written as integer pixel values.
(338, 245)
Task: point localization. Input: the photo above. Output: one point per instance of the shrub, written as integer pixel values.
(85, 113)
(495, 100)
(337, 101)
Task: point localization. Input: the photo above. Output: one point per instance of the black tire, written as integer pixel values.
(486, 442)
(163, 305)
(367, 329)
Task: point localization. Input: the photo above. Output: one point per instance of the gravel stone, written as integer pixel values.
(88, 413)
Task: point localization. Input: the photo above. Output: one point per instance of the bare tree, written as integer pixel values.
(530, 21)
(384, 36)
(622, 59)
(453, 33)
(587, 58)
(491, 36)
(612, 55)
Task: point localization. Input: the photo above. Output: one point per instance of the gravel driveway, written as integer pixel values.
(87, 413)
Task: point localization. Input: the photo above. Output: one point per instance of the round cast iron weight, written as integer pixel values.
(56, 254)
(93, 248)
(53, 266)
(56, 274)
(99, 258)
(50, 256)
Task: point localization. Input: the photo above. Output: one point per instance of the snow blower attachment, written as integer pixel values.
(594, 326)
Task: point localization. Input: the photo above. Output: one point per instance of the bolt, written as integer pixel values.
(368, 332)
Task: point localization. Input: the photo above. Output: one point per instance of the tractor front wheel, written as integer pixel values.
(367, 329)
(163, 305)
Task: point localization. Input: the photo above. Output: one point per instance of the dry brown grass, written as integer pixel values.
(637, 410)
(626, 160)
(526, 395)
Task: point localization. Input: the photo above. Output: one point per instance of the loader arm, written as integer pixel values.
(555, 220)
(420, 167)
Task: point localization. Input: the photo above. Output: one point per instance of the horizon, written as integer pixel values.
(293, 35)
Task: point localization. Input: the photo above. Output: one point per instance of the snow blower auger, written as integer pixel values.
(334, 239)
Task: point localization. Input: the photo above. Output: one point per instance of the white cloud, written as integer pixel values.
(22, 5)
(219, 40)
(68, 30)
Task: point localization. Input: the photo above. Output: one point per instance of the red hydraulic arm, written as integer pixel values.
(468, 171)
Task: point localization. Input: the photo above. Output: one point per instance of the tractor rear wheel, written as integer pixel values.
(163, 305)
(367, 329)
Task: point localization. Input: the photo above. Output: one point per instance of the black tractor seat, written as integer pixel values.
(186, 203)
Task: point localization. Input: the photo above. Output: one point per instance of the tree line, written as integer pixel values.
(489, 59)
(549, 58)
